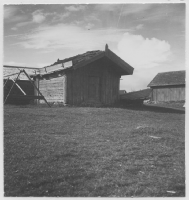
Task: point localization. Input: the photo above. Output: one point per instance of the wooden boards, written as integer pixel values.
(168, 94)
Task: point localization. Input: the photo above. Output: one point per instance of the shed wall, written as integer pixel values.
(53, 89)
(94, 84)
(165, 94)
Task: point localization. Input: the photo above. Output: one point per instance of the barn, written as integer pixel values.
(168, 86)
(92, 78)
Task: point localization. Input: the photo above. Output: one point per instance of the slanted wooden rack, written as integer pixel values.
(24, 96)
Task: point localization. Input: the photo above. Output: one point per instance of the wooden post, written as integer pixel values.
(106, 47)
(65, 89)
(36, 93)
(36, 87)
(12, 87)
(6, 82)
(18, 87)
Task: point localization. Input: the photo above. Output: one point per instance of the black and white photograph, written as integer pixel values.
(94, 99)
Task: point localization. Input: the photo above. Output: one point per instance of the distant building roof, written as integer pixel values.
(141, 94)
(122, 92)
(168, 78)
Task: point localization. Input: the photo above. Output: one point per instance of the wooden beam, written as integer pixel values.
(10, 75)
(18, 86)
(9, 66)
(6, 82)
(12, 87)
(36, 87)
(26, 96)
(36, 82)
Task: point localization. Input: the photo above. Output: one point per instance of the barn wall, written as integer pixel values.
(165, 94)
(94, 84)
(53, 89)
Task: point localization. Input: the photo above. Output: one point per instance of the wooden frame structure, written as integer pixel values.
(24, 94)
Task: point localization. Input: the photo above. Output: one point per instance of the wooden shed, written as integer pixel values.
(91, 78)
(168, 86)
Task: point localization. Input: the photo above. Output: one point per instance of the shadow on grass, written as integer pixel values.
(139, 107)
(152, 108)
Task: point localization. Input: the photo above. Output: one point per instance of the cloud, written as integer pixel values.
(75, 8)
(38, 16)
(13, 63)
(143, 52)
(64, 36)
(135, 8)
(108, 7)
(125, 9)
(139, 27)
(9, 11)
(14, 28)
(136, 50)
(11, 14)
(89, 26)
(87, 22)
(60, 17)
(21, 24)
(42, 65)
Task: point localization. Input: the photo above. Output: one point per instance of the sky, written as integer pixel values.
(149, 37)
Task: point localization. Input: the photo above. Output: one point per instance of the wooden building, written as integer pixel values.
(168, 86)
(16, 96)
(91, 78)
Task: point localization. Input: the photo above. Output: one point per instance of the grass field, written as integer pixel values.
(91, 152)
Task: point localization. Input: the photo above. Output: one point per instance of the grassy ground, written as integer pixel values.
(174, 105)
(110, 152)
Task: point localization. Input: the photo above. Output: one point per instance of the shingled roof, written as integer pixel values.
(78, 58)
(86, 58)
(168, 78)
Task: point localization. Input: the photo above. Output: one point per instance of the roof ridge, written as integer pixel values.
(172, 71)
(168, 78)
(72, 57)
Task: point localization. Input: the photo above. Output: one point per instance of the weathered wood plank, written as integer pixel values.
(168, 94)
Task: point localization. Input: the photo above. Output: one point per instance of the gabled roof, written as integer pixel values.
(168, 78)
(82, 60)
(141, 94)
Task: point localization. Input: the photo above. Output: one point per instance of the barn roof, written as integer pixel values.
(82, 60)
(168, 78)
(141, 94)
